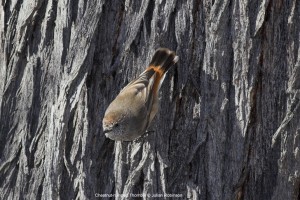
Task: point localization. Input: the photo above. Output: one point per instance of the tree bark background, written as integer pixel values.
(229, 123)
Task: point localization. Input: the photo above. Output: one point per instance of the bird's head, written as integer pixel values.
(121, 125)
(114, 125)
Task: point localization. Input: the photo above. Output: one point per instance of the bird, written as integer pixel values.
(130, 114)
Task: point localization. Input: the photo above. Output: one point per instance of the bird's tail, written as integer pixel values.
(162, 60)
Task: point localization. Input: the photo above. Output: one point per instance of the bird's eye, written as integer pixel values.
(116, 125)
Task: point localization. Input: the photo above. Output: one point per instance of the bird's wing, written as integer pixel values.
(141, 86)
(141, 92)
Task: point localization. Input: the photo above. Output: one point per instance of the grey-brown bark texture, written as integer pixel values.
(229, 123)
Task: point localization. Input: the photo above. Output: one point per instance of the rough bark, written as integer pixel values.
(229, 122)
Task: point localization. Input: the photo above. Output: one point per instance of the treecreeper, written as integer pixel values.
(130, 114)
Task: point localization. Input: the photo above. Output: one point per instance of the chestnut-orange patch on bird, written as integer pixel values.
(159, 73)
(110, 118)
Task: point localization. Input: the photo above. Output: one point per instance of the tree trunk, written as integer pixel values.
(229, 119)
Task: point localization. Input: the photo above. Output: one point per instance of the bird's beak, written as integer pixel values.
(106, 130)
